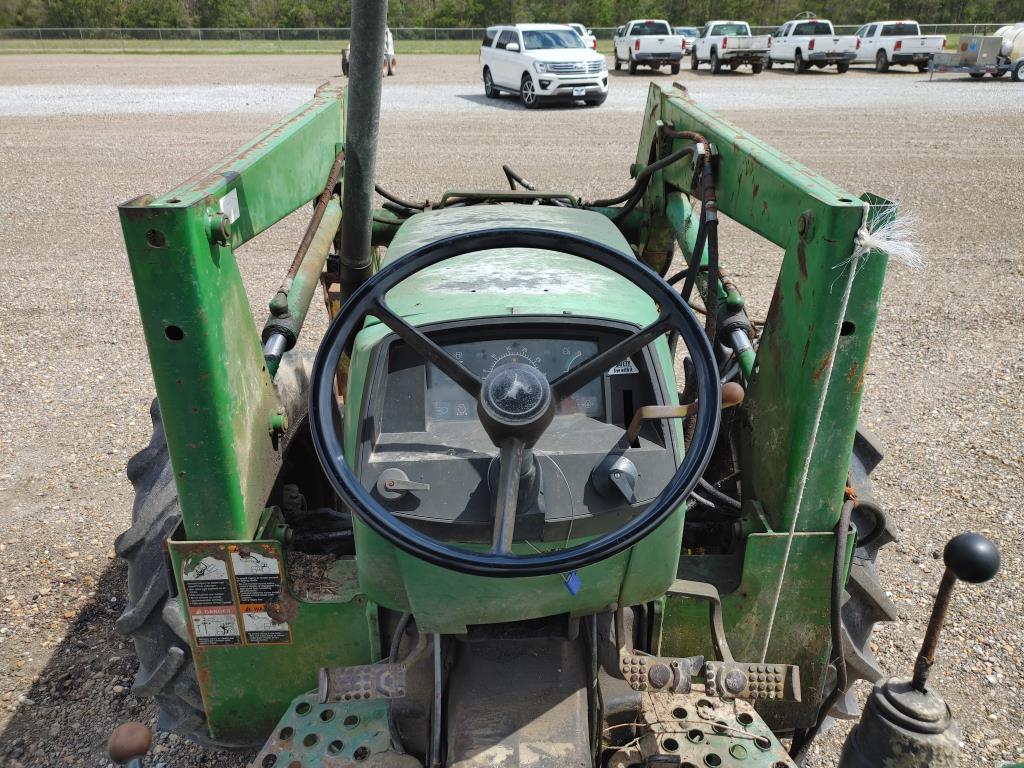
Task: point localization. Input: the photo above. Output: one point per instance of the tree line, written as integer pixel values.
(476, 13)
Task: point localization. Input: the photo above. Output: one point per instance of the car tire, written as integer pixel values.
(1017, 73)
(922, 67)
(768, 64)
(618, 62)
(716, 65)
(842, 68)
(675, 68)
(694, 63)
(632, 65)
(490, 90)
(799, 66)
(392, 66)
(734, 65)
(528, 93)
(344, 66)
(976, 75)
(881, 62)
(757, 68)
(998, 73)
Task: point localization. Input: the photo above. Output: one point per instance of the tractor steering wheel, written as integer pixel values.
(515, 404)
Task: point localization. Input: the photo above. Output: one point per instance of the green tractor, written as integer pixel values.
(524, 507)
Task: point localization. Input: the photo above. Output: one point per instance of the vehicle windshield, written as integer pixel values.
(687, 31)
(546, 39)
(731, 30)
(579, 29)
(900, 30)
(644, 28)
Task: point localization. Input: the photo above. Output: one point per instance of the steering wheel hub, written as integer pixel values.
(515, 393)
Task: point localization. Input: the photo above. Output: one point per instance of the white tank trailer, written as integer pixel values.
(980, 55)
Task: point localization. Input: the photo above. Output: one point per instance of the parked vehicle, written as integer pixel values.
(979, 55)
(807, 43)
(730, 43)
(884, 43)
(648, 43)
(589, 38)
(689, 34)
(390, 65)
(542, 63)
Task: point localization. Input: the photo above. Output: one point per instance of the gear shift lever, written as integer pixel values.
(902, 717)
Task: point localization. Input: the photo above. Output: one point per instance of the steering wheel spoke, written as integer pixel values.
(430, 351)
(506, 498)
(571, 381)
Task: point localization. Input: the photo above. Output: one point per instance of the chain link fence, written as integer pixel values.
(253, 39)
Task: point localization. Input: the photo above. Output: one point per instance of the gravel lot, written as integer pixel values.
(78, 134)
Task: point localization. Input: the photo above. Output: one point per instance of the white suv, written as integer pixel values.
(540, 63)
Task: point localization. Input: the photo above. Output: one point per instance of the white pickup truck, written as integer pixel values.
(884, 43)
(812, 42)
(730, 42)
(542, 63)
(648, 43)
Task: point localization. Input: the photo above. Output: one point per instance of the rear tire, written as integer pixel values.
(528, 93)
(977, 75)
(675, 68)
(632, 65)
(998, 73)
(799, 66)
(842, 68)
(490, 91)
(881, 62)
(769, 63)
(618, 62)
(716, 65)
(757, 68)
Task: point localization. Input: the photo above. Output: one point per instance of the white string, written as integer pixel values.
(860, 249)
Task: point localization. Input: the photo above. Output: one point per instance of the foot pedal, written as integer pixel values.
(745, 680)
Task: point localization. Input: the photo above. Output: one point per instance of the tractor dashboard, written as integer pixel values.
(425, 457)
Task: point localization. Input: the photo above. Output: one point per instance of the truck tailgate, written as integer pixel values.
(655, 44)
(923, 44)
(758, 43)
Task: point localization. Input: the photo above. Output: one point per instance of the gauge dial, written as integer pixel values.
(553, 357)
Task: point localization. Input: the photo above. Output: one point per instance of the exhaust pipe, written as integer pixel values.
(369, 19)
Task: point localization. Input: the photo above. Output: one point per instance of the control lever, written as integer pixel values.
(732, 395)
(902, 717)
(128, 744)
(393, 484)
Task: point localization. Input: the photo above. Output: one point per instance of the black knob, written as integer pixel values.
(971, 558)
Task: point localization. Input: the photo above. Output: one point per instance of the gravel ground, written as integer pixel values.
(78, 134)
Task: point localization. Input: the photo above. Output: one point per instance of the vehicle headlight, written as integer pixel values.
(604, 65)
(540, 66)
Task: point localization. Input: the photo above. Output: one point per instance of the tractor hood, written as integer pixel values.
(520, 281)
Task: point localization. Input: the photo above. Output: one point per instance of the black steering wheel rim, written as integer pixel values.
(329, 444)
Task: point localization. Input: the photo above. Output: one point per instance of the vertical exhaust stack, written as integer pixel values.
(369, 19)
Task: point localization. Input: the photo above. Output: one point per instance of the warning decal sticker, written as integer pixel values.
(257, 576)
(261, 628)
(206, 581)
(215, 626)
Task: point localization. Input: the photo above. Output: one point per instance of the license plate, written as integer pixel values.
(579, 91)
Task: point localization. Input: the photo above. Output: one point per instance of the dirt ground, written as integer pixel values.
(79, 134)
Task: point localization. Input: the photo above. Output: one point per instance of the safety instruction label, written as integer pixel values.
(257, 575)
(234, 593)
(262, 628)
(206, 581)
(623, 368)
(214, 625)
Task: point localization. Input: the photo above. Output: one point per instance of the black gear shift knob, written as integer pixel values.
(971, 558)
